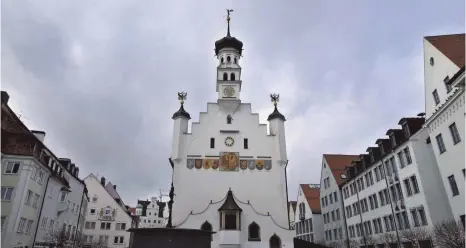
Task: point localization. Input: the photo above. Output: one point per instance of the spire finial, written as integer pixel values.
(228, 21)
(275, 99)
(182, 97)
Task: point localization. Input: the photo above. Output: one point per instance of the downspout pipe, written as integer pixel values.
(41, 206)
(79, 214)
(287, 202)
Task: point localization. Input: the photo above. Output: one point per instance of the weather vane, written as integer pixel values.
(275, 98)
(182, 96)
(228, 20)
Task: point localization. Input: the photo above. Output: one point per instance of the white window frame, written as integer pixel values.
(12, 163)
(6, 193)
(22, 222)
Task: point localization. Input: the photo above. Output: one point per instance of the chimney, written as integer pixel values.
(39, 134)
(114, 187)
(76, 172)
(102, 181)
(5, 97)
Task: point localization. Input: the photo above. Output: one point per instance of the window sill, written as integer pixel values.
(459, 141)
(254, 240)
(442, 152)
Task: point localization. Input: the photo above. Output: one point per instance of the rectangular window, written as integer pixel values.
(453, 186)
(105, 225)
(118, 240)
(441, 145)
(422, 216)
(7, 192)
(28, 198)
(393, 140)
(43, 223)
(393, 162)
(212, 142)
(402, 159)
(121, 226)
(21, 224)
(36, 200)
(3, 221)
(51, 224)
(447, 85)
(12, 168)
(454, 133)
(436, 97)
(41, 177)
(405, 219)
(28, 226)
(408, 187)
(414, 184)
(335, 196)
(407, 156)
(399, 191)
(415, 218)
(246, 145)
(382, 199)
(92, 211)
(406, 130)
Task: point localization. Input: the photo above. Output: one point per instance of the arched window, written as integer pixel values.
(206, 226)
(225, 76)
(275, 241)
(232, 76)
(234, 60)
(222, 60)
(254, 232)
(228, 59)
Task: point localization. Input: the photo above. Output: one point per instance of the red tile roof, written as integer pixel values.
(452, 46)
(337, 164)
(312, 196)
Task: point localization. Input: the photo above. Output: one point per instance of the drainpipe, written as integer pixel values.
(79, 215)
(41, 206)
(287, 202)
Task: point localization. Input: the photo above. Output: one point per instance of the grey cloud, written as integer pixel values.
(100, 77)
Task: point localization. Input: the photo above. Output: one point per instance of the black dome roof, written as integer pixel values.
(228, 41)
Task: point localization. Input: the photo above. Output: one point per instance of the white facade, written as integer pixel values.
(156, 215)
(331, 200)
(106, 220)
(291, 213)
(229, 131)
(308, 221)
(22, 197)
(446, 120)
(400, 190)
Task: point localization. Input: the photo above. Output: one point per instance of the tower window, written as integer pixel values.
(431, 61)
(212, 142)
(225, 76)
(228, 59)
(235, 61)
(246, 145)
(229, 119)
(222, 60)
(232, 76)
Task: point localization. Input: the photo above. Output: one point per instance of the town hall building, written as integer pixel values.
(229, 173)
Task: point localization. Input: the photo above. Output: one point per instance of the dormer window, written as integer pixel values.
(230, 214)
(447, 85)
(406, 130)
(371, 154)
(381, 148)
(393, 140)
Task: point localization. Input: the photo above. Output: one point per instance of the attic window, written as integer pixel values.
(431, 61)
(372, 156)
(393, 140)
(406, 130)
(447, 85)
(381, 148)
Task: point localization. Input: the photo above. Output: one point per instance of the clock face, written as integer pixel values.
(229, 141)
(229, 91)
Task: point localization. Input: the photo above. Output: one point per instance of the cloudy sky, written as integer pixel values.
(100, 77)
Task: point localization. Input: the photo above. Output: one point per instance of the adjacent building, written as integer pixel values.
(244, 200)
(153, 213)
(309, 221)
(292, 212)
(444, 58)
(107, 218)
(333, 175)
(394, 188)
(33, 182)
